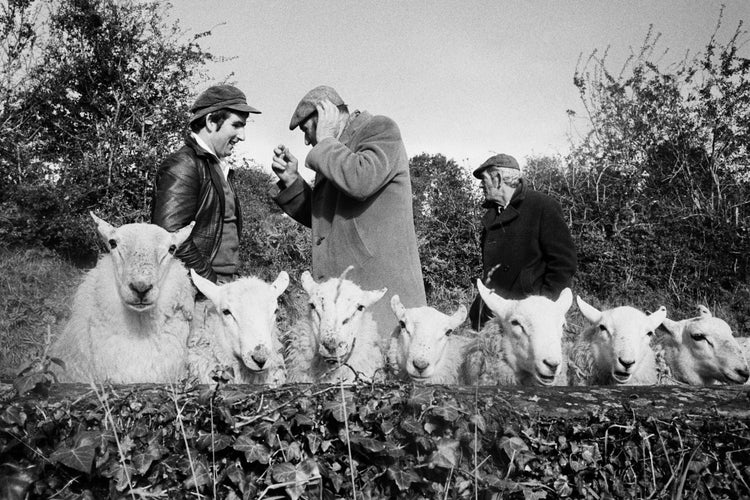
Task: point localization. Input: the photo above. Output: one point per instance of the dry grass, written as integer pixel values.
(36, 289)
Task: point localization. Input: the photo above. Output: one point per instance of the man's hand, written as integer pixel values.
(284, 164)
(328, 120)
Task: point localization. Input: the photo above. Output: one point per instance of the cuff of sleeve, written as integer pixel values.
(287, 194)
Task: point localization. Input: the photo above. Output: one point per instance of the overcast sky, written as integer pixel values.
(462, 78)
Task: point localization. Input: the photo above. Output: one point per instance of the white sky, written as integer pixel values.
(463, 78)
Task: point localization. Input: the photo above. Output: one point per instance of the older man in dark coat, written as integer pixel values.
(527, 248)
(360, 205)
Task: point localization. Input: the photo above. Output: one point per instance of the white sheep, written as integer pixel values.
(131, 314)
(238, 331)
(703, 351)
(522, 345)
(339, 340)
(424, 347)
(616, 348)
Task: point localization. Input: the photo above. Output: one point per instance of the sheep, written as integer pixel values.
(522, 345)
(131, 313)
(616, 348)
(339, 340)
(423, 347)
(703, 351)
(238, 331)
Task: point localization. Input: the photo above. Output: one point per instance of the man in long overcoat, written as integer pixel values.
(527, 248)
(360, 204)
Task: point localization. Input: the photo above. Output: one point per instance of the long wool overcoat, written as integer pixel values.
(527, 249)
(360, 212)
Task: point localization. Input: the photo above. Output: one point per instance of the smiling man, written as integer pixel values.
(195, 183)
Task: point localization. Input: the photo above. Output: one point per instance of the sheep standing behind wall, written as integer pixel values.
(616, 348)
(703, 351)
(238, 330)
(339, 339)
(131, 314)
(424, 347)
(522, 345)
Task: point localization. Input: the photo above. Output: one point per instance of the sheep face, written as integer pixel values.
(534, 329)
(247, 308)
(422, 338)
(337, 307)
(707, 346)
(141, 255)
(622, 339)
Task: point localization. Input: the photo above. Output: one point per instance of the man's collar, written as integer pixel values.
(200, 142)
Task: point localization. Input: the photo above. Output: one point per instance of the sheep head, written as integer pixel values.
(337, 308)
(141, 255)
(707, 345)
(422, 338)
(247, 308)
(534, 328)
(623, 337)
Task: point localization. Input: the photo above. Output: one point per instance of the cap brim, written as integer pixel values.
(478, 171)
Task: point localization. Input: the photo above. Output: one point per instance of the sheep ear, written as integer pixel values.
(179, 236)
(703, 311)
(565, 300)
(398, 308)
(673, 327)
(206, 287)
(106, 230)
(308, 283)
(370, 298)
(458, 317)
(589, 312)
(657, 317)
(496, 303)
(280, 283)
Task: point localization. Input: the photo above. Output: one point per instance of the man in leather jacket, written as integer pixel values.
(195, 183)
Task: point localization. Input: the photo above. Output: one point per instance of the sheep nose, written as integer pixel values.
(260, 356)
(552, 365)
(420, 364)
(140, 288)
(626, 364)
(744, 374)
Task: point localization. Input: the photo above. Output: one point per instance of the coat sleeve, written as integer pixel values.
(296, 201)
(559, 251)
(361, 172)
(176, 199)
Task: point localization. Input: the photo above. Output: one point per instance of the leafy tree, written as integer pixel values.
(658, 189)
(103, 100)
(446, 216)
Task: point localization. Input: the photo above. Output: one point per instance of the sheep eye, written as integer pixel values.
(312, 306)
(515, 322)
(698, 337)
(449, 332)
(402, 325)
(360, 308)
(650, 333)
(172, 249)
(112, 243)
(226, 312)
(603, 329)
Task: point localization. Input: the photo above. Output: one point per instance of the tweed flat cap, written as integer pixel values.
(306, 106)
(501, 160)
(220, 97)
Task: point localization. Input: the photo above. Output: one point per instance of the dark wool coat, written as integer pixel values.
(527, 248)
(188, 188)
(360, 212)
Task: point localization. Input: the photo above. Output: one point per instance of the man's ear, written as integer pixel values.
(210, 125)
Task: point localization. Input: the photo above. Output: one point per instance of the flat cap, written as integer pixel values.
(306, 106)
(501, 160)
(220, 97)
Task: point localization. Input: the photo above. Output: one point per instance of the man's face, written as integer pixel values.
(309, 127)
(224, 138)
(494, 188)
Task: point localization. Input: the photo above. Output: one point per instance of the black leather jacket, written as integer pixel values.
(188, 188)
